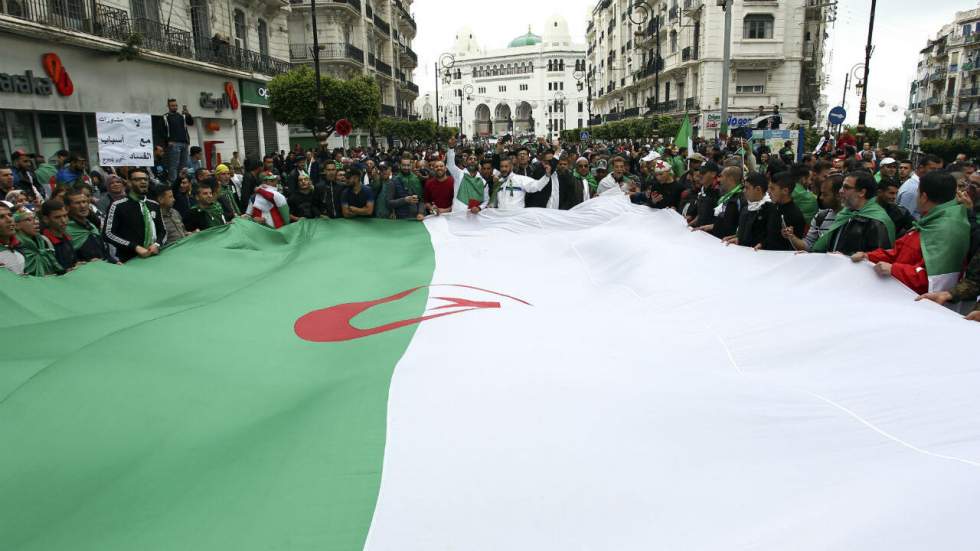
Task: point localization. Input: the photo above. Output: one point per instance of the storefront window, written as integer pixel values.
(21, 129)
(51, 139)
(75, 132)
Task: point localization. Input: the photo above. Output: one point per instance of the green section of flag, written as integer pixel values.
(944, 238)
(167, 404)
(683, 137)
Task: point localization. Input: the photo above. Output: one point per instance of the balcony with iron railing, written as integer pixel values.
(354, 53)
(689, 54)
(937, 76)
(406, 18)
(691, 104)
(388, 110)
(350, 8)
(116, 24)
(382, 25)
(408, 56)
(329, 52)
(382, 67)
(970, 92)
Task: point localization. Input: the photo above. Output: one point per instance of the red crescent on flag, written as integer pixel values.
(333, 324)
(343, 127)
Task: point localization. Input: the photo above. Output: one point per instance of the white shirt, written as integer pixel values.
(908, 195)
(512, 190)
(610, 183)
(457, 175)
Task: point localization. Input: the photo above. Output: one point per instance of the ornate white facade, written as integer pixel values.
(529, 86)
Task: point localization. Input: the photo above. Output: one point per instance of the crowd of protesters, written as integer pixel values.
(869, 204)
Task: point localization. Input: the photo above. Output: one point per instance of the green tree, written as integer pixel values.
(891, 137)
(292, 100)
(949, 149)
(871, 135)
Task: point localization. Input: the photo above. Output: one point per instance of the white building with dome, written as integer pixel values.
(531, 85)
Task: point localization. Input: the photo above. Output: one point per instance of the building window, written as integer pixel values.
(241, 33)
(561, 85)
(549, 86)
(263, 29)
(750, 82)
(481, 90)
(501, 88)
(580, 110)
(757, 26)
(673, 42)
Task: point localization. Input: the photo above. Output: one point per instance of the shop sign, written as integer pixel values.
(254, 93)
(713, 120)
(227, 100)
(28, 84)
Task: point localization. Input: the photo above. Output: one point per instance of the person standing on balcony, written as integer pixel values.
(178, 140)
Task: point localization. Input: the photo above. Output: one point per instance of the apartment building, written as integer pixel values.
(358, 37)
(944, 100)
(777, 49)
(214, 56)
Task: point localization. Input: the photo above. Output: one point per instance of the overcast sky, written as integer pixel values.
(901, 30)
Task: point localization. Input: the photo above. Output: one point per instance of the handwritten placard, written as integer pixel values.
(125, 139)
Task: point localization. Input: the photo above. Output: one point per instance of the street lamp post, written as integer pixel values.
(446, 61)
(318, 132)
(726, 66)
(464, 93)
(863, 113)
(640, 12)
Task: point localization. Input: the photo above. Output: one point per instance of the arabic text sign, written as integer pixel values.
(125, 139)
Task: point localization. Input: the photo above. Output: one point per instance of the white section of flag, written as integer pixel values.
(665, 392)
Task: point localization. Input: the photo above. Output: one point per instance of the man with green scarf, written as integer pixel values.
(39, 259)
(206, 212)
(471, 191)
(862, 225)
(11, 256)
(806, 200)
(85, 236)
(929, 258)
(134, 225)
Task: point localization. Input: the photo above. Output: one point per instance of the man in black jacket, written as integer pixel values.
(570, 192)
(178, 140)
(862, 232)
(134, 224)
(250, 181)
(329, 193)
(85, 236)
(887, 195)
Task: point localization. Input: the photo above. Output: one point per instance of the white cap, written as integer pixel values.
(652, 156)
(887, 161)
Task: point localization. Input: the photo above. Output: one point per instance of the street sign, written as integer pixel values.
(837, 115)
(584, 136)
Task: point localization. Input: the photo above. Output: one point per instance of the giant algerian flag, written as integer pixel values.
(598, 379)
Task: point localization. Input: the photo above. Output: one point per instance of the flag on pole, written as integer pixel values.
(684, 135)
(464, 384)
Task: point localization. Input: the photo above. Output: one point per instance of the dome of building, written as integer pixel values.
(556, 32)
(466, 43)
(529, 39)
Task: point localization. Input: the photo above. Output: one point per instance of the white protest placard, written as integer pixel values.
(125, 139)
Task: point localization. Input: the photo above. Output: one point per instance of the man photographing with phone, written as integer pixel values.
(178, 140)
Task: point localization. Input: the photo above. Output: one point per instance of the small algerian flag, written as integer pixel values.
(463, 384)
(944, 235)
(684, 136)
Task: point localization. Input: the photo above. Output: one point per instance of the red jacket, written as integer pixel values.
(908, 265)
(439, 193)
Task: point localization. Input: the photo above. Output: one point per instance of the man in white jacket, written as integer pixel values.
(512, 188)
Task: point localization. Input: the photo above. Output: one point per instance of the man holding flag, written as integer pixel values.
(683, 141)
(928, 258)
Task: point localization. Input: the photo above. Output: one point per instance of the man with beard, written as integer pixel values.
(726, 211)
(439, 189)
(583, 173)
(55, 218)
(134, 224)
(829, 203)
(11, 256)
(301, 202)
(703, 209)
(226, 192)
(752, 218)
(470, 189)
(569, 189)
(330, 190)
(862, 225)
(406, 197)
(617, 179)
(888, 168)
(206, 212)
(85, 236)
(887, 195)
(514, 187)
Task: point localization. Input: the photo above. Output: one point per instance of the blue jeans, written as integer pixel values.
(177, 158)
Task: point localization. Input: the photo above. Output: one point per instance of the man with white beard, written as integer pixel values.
(513, 187)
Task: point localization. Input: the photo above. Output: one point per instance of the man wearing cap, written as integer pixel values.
(694, 160)
(666, 191)
(583, 173)
(225, 191)
(268, 206)
(704, 205)
(887, 167)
